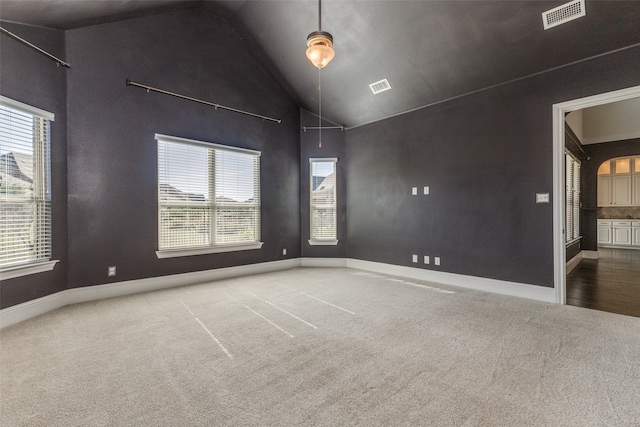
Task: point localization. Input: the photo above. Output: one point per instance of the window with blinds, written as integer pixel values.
(25, 190)
(323, 212)
(208, 195)
(572, 194)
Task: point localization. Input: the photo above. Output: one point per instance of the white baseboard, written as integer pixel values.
(522, 290)
(29, 309)
(324, 262)
(590, 254)
(573, 262)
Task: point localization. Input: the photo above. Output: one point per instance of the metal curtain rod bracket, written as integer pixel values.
(212, 104)
(304, 128)
(31, 45)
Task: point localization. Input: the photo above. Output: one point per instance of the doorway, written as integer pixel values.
(559, 111)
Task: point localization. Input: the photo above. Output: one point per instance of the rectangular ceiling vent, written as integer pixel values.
(565, 13)
(380, 86)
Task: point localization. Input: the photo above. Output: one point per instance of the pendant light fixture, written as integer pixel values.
(320, 52)
(319, 44)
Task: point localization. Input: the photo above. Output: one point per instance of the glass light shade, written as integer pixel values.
(319, 50)
(605, 168)
(623, 165)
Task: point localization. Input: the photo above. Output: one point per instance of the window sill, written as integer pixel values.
(26, 269)
(174, 253)
(326, 242)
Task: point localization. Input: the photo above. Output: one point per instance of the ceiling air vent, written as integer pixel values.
(380, 86)
(565, 13)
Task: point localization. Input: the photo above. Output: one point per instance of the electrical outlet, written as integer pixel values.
(111, 271)
(436, 260)
(284, 251)
(426, 190)
(415, 258)
(414, 191)
(426, 259)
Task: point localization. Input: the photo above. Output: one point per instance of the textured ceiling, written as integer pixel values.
(429, 51)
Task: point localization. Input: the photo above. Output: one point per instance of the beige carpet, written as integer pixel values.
(320, 347)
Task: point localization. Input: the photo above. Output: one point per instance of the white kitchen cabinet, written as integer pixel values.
(604, 190)
(635, 233)
(619, 182)
(605, 232)
(621, 191)
(622, 233)
(635, 185)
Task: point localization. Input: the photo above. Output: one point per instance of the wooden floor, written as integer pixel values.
(611, 283)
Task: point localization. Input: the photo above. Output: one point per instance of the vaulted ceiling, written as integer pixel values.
(429, 51)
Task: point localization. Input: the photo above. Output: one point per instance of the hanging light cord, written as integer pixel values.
(320, 107)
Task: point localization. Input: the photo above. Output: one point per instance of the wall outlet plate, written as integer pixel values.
(436, 260)
(111, 271)
(414, 258)
(426, 259)
(542, 197)
(414, 191)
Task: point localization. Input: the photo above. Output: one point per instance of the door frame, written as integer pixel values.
(559, 110)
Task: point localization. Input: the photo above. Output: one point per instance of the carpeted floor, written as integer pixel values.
(315, 347)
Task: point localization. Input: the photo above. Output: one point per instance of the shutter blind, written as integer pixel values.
(237, 177)
(208, 195)
(25, 192)
(323, 200)
(572, 194)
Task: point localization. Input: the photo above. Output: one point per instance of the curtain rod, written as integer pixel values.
(212, 104)
(304, 128)
(58, 60)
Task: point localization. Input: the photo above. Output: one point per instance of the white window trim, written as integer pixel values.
(20, 270)
(324, 242)
(25, 108)
(25, 270)
(204, 144)
(175, 253)
(321, 242)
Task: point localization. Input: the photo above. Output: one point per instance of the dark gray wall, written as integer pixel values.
(112, 152)
(484, 156)
(598, 153)
(104, 166)
(333, 145)
(32, 78)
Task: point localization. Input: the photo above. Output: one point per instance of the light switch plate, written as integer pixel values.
(542, 197)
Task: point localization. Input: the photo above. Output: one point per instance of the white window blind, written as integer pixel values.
(323, 212)
(208, 194)
(572, 194)
(25, 190)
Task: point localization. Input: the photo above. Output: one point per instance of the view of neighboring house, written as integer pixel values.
(323, 190)
(170, 193)
(16, 173)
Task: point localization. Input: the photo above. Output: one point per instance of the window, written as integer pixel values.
(25, 189)
(572, 208)
(323, 212)
(208, 197)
